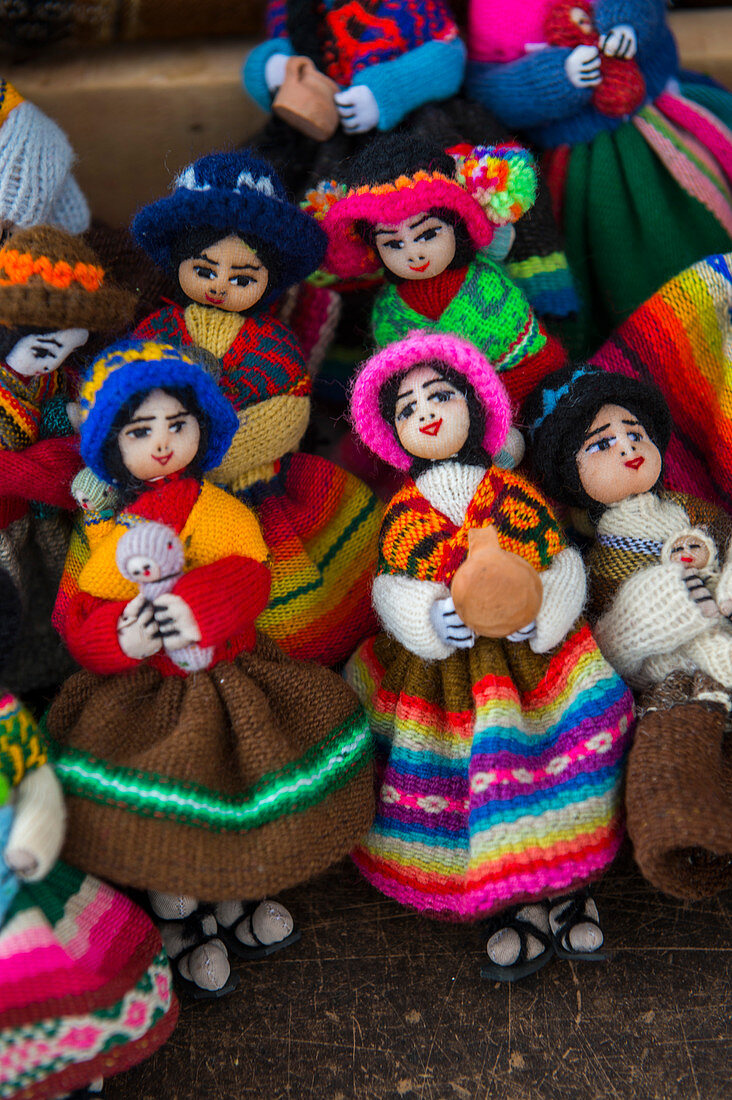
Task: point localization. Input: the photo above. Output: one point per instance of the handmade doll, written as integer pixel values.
(597, 441)
(248, 775)
(320, 524)
(428, 217)
(639, 154)
(500, 739)
(85, 987)
(53, 294)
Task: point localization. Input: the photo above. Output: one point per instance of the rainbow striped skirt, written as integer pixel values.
(499, 772)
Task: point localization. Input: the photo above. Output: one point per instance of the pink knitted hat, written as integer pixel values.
(419, 347)
(499, 32)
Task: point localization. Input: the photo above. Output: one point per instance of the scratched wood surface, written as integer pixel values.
(375, 1003)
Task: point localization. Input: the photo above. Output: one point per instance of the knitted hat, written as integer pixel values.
(398, 177)
(132, 367)
(560, 410)
(462, 357)
(234, 194)
(36, 185)
(52, 280)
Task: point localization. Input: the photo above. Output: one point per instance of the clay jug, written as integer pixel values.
(305, 100)
(495, 592)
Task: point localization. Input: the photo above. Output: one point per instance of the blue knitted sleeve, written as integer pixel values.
(252, 74)
(528, 92)
(646, 17)
(426, 74)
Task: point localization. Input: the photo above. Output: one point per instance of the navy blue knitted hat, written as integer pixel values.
(239, 195)
(138, 366)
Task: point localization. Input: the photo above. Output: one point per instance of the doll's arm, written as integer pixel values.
(564, 586)
(426, 74)
(652, 614)
(37, 833)
(42, 472)
(90, 631)
(646, 18)
(225, 597)
(531, 91)
(254, 77)
(405, 608)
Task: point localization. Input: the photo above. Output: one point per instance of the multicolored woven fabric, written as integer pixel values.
(421, 542)
(21, 403)
(21, 749)
(263, 360)
(681, 339)
(321, 527)
(500, 772)
(85, 987)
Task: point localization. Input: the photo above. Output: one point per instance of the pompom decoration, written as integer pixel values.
(501, 178)
(319, 200)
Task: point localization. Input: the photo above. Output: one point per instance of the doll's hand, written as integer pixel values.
(621, 41)
(176, 623)
(583, 67)
(358, 109)
(522, 635)
(700, 594)
(725, 608)
(274, 71)
(137, 632)
(449, 627)
(21, 861)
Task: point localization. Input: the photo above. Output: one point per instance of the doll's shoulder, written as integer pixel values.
(167, 325)
(220, 525)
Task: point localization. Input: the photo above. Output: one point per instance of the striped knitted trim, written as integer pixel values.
(20, 267)
(297, 786)
(636, 546)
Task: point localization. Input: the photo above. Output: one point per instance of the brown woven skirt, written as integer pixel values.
(679, 796)
(233, 782)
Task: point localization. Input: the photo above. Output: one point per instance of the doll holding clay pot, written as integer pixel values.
(500, 730)
(661, 590)
(200, 762)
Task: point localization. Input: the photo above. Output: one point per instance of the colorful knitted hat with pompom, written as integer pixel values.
(53, 280)
(398, 177)
(133, 367)
(235, 194)
(420, 347)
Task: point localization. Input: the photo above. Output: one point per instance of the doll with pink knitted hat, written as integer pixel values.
(500, 729)
(429, 217)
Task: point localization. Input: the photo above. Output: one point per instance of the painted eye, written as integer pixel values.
(601, 445)
(42, 353)
(205, 272)
(138, 433)
(178, 426)
(241, 280)
(441, 396)
(407, 411)
(635, 437)
(429, 234)
(395, 245)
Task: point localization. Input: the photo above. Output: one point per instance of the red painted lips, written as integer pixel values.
(433, 428)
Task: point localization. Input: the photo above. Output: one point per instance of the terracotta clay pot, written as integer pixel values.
(305, 100)
(495, 592)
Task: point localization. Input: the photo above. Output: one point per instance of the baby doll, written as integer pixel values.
(428, 217)
(112, 983)
(53, 294)
(235, 243)
(243, 777)
(597, 440)
(640, 172)
(499, 757)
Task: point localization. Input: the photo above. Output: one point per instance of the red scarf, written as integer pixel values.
(167, 500)
(431, 297)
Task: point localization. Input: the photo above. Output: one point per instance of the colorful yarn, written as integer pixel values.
(16, 268)
(21, 748)
(502, 178)
(21, 402)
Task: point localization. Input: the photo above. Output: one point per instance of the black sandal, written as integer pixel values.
(523, 966)
(259, 951)
(193, 925)
(572, 915)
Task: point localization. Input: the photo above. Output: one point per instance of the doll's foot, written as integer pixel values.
(198, 956)
(519, 942)
(575, 925)
(172, 906)
(206, 970)
(252, 930)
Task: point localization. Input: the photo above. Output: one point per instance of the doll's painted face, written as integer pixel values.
(43, 352)
(160, 439)
(617, 458)
(420, 247)
(690, 550)
(431, 418)
(227, 275)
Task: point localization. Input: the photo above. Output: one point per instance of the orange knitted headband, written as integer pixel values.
(20, 267)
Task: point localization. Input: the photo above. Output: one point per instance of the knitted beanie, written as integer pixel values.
(235, 194)
(399, 176)
(560, 410)
(53, 280)
(398, 358)
(135, 367)
(36, 185)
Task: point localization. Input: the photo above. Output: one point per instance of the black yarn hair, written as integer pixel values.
(126, 483)
(391, 155)
(472, 452)
(10, 335)
(555, 442)
(192, 242)
(465, 248)
(11, 611)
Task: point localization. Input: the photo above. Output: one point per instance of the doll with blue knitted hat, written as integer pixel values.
(199, 761)
(235, 243)
(638, 154)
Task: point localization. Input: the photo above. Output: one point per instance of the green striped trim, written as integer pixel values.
(325, 767)
(549, 264)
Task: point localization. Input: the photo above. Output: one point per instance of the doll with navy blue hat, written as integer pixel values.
(235, 243)
(199, 761)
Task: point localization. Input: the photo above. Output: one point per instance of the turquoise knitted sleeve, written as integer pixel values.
(429, 73)
(252, 74)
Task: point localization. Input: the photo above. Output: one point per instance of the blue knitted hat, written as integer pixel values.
(130, 367)
(240, 195)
